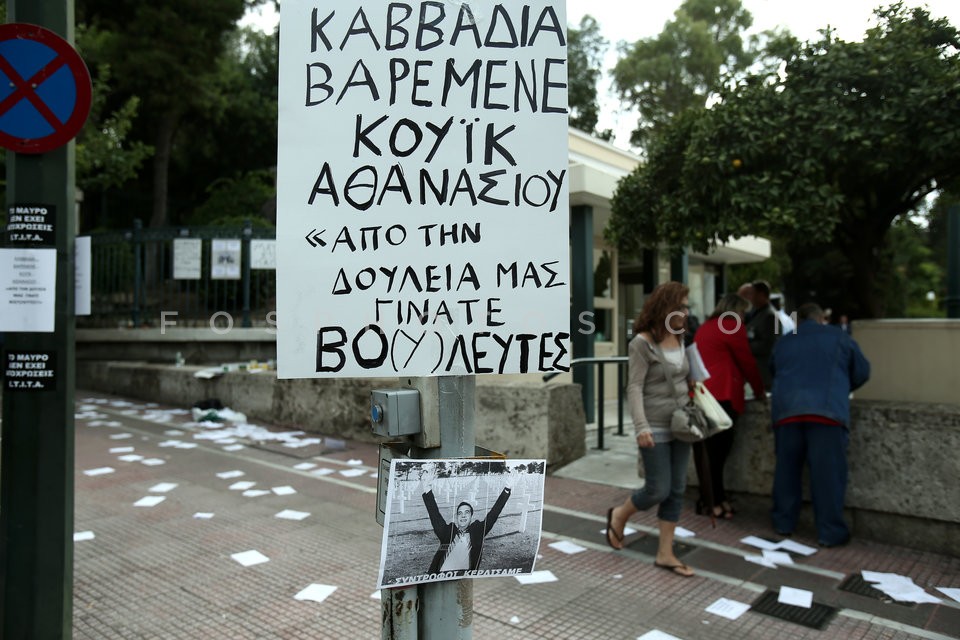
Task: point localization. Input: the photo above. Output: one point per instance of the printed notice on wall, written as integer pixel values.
(263, 254)
(186, 258)
(31, 224)
(28, 282)
(422, 224)
(83, 274)
(30, 371)
(224, 259)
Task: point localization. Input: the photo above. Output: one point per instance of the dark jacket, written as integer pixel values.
(814, 371)
(762, 332)
(447, 530)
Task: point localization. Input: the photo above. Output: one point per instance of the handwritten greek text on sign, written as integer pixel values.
(422, 189)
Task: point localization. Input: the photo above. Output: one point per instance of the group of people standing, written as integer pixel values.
(810, 370)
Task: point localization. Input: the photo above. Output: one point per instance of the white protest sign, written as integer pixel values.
(422, 222)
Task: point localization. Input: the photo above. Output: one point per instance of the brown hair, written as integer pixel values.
(665, 299)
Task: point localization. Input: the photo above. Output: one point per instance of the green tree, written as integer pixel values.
(166, 55)
(681, 67)
(826, 154)
(585, 50)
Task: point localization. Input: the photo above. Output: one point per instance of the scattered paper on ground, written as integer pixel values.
(149, 501)
(796, 597)
(250, 558)
(656, 634)
(354, 461)
(284, 491)
(163, 487)
(566, 547)
(951, 592)
(376, 595)
(98, 471)
(900, 588)
(202, 515)
(243, 485)
(290, 514)
(537, 577)
(255, 493)
(303, 466)
(760, 543)
(777, 557)
(761, 561)
(226, 475)
(121, 436)
(796, 547)
(323, 471)
(514, 619)
(726, 608)
(233, 447)
(680, 532)
(315, 592)
(130, 457)
(352, 473)
(153, 462)
(173, 432)
(80, 536)
(121, 449)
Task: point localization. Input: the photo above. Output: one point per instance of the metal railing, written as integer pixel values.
(133, 279)
(621, 362)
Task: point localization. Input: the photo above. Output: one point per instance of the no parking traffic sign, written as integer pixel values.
(44, 89)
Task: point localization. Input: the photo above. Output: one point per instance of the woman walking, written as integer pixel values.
(657, 360)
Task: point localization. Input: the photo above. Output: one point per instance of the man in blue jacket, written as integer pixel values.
(814, 370)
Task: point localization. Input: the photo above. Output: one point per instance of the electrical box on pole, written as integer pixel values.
(44, 102)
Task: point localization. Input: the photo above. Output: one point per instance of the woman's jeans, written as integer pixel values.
(665, 470)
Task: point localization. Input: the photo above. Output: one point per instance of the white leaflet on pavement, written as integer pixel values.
(121, 436)
(680, 532)
(226, 475)
(130, 457)
(163, 487)
(173, 432)
(284, 491)
(202, 515)
(290, 514)
(234, 447)
(153, 462)
(149, 501)
(777, 557)
(80, 536)
(255, 493)
(796, 547)
(98, 471)
(352, 473)
(121, 449)
(795, 597)
(656, 634)
(536, 577)
(250, 558)
(322, 471)
(566, 547)
(243, 485)
(354, 461)
(726, 608)
(315, 592)
(303, 466)
(761, 561)
(952, 592)
(760, 543)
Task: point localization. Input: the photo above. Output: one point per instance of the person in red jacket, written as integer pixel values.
(725, 351)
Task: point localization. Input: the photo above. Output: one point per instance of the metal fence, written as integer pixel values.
(140, 276)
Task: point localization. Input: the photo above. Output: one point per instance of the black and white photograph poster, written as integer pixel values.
(455, 519)
(422, 188)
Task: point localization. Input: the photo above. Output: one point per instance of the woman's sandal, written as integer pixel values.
(610, 532)
(677, 569)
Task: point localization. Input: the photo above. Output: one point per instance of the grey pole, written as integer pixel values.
(446, 608)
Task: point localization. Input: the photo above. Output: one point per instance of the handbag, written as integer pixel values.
(718, 418)
(688, 423)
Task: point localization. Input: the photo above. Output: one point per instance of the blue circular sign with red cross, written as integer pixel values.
(44, 89)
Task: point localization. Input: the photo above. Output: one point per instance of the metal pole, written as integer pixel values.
(600, 406)
(137, 269)
(401, 609)
(953, 261)
(446, 608)
(619, 399)
(36, 471)
(245, 267)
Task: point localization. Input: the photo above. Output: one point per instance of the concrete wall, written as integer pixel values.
(911, 360)
(520, 419)
(904, 471)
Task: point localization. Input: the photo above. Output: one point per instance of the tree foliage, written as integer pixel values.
(682, 66)
(825, 155)
(585, 50)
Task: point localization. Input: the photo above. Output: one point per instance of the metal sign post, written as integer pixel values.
(45, 99)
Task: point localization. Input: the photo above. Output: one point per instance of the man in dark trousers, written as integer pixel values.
(814, 371)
